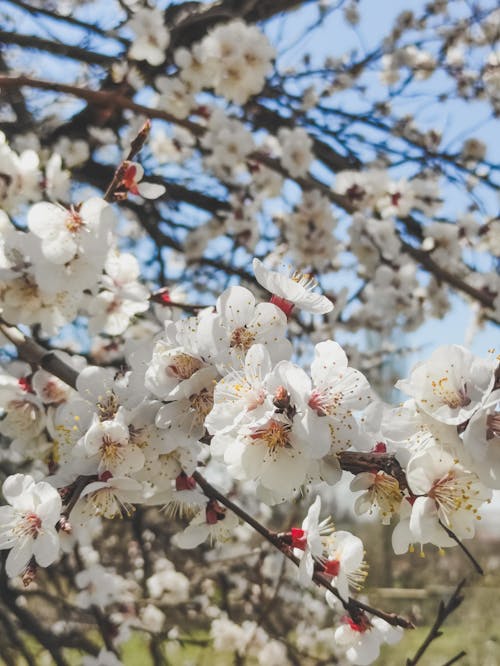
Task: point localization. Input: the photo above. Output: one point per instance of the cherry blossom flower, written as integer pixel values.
(308, 541)
(447, 493)
(120, 298)
(290, 291)
(131, 183)
(28, 526)
(151, 36)
(482, 440)
(23, 413)
(362, 638)
(343, 562)
(451, 385)
(297, 152)
(66, 233)
(109, 444)
(110, 496)
(239, 323)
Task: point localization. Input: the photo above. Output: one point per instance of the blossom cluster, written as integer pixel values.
(208, 419)
(221, 389)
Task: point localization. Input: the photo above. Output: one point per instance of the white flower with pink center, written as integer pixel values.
(65, 232)
(274, 443)
(110, 496)
(451, 385)
(110, 445)
(176, 360)
(362, 638)
(28, 526)
(131, 182)
(295, 290)
(23, 415)
(447, 494)
(338, 391)
(382, 494)
(239, 394)
(308, 540)
(151, 36)
(482, 440)
(343, 561)
(185, 414)
(239, 323)
(120, 296)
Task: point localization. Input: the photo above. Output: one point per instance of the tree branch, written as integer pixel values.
(444, 611)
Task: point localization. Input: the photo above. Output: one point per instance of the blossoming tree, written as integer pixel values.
(159, 163)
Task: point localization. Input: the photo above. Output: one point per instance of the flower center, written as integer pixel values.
(111, 450)
(183, 366)
(242, 338)
(455, 491)
(325, 402)
(275, 435)
(53, 392)
(386, 494)
(31, 525)
(107, 406)
(449, 395)
(201, 403)
(74, 221)
(106, 502)
(21, 416)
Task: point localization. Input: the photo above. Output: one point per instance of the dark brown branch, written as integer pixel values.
(357, 462)
(353, 606)
(444, 611)
(31, 352)
(113, 100)
(57, 48)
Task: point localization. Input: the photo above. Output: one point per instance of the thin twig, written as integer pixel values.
(464, 548)
(353, 606)
(456, 658)
(444, 611)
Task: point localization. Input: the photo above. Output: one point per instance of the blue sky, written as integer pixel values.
(456, 119)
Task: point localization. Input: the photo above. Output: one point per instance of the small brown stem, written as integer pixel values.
(135, 148)
(444, 611)
(456, 658)
(464, 549)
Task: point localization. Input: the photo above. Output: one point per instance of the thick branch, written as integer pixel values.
(31, 352)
